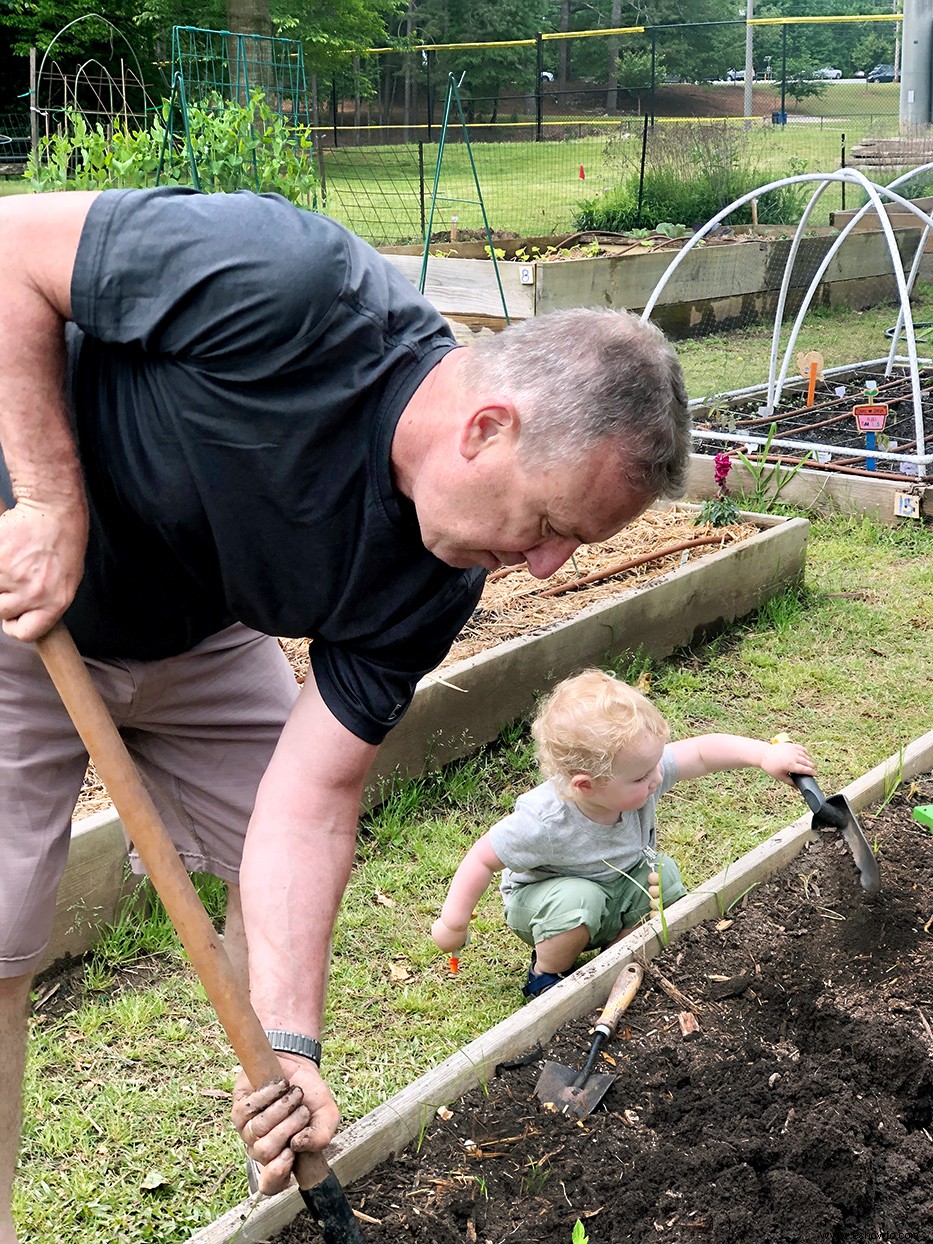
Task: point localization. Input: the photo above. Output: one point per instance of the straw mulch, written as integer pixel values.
(512, 603)
(515, 604)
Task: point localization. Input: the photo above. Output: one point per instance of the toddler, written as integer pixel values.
(578, 855)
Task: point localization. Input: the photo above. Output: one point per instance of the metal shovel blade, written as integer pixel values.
(837, 814)
(557, 1087)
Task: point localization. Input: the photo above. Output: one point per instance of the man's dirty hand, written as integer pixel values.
(282, 1119)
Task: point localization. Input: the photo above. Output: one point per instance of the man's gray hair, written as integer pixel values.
(584, 377)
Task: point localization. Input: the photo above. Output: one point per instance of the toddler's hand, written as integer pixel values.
(654, 891)
(447, 938)
(780, 760)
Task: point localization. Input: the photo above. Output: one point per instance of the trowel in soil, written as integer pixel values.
(835, 813)
(578, 1093)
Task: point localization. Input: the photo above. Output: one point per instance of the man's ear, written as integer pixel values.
(495, 423)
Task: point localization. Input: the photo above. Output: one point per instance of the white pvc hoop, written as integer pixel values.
(905, 319)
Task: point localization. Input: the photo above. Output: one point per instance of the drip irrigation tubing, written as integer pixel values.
(609, 571)
(788, 414)
(813, 464)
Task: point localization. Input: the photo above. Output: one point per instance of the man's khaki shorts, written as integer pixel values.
(201, 727)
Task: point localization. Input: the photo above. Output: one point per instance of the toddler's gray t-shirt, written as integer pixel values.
(547, 836)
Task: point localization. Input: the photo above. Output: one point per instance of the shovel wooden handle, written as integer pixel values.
(173, 885)
(620, 997)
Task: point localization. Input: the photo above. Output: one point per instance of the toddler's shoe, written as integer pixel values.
(537, 983)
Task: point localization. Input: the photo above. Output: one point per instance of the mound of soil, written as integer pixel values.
(799, 1112)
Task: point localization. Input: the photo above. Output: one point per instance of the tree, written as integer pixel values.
(489, 72)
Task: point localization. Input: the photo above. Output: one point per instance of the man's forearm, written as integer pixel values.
(297, 860)
(42, 543)
(292, 881)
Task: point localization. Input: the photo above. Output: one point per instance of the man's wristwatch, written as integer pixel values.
(294, 1043)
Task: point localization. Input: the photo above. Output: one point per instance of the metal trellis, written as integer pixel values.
(453, 97)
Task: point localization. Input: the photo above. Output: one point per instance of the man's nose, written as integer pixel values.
(549, 556)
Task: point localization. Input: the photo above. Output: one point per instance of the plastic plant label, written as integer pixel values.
(870, 417)
(823, 455)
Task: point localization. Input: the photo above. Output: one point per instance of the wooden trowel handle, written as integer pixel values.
(620, 998)
(166, 871)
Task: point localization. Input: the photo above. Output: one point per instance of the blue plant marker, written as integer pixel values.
(871, 392)
(870, 443)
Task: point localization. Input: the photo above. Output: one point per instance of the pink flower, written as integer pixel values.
(723, 465)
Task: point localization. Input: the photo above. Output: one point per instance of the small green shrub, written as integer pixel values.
(691, 174)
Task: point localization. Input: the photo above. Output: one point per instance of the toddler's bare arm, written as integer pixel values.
(471, 880)
(713, 753)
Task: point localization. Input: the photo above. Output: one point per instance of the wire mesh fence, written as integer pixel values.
(15, 141)
(530, 190)
(556, 122)
(551, 187)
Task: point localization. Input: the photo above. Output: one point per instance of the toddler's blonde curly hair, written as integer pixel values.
(585, 722)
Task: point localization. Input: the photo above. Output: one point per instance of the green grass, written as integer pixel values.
(129, 1089)
(876, 103)
(531, 188)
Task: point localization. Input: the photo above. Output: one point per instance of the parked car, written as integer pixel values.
(827, 72)
(881, 73)
(737, 75)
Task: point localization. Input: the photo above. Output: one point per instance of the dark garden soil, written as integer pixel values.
(798, 1113)
(829, 421)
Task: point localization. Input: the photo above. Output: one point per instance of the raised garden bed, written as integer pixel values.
(820, 435)
(463, 706)
(800, 1108)
(720, 285)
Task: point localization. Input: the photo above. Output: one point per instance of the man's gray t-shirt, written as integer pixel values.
(237, 368)
(547, 836)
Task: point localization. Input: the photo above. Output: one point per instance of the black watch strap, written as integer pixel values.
(294, 1043)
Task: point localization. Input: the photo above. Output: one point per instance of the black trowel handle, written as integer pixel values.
(810, 789)
(824, 812)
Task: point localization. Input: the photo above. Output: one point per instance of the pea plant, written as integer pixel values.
(233, 147)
